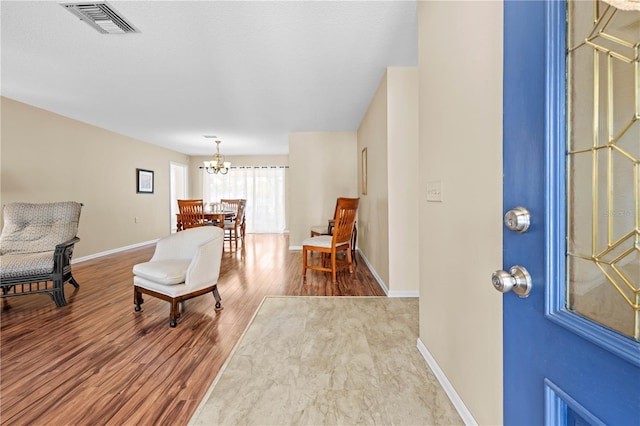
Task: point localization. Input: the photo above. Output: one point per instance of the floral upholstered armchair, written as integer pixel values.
(36, 246)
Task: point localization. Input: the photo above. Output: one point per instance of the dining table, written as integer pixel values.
(217, 217)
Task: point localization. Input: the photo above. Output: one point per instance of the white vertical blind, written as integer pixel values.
(262, 187)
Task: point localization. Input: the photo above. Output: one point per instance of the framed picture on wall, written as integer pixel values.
(364, 171)
(144, 181)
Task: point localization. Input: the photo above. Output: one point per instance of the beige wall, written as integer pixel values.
(460, 66)
(373, 211)
(388, 217)
(47, 157)
(322, 167)
(402, 180)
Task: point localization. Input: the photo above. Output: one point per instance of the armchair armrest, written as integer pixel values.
(62, 246)
(205, 265)
(62, 256)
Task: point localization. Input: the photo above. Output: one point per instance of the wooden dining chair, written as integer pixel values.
(339, 241)
(233, 229)
(328, 230)
(233, 204)
(191, 213)
(230, 204)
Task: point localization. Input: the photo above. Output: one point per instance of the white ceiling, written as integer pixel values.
(248, 72)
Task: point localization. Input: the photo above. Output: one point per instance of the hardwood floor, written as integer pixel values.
(96, 361)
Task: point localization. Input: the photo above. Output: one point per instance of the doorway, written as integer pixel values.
(179, 189)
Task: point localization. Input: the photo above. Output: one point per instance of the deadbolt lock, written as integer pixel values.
(518, 219)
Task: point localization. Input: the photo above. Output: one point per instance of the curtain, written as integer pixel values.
(262, 187)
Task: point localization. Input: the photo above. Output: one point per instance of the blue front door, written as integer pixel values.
(560, 366)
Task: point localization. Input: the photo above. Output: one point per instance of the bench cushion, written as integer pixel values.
(37, 228)
(168, 272)
(21, 264)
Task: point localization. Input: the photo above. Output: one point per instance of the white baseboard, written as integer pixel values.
(389, 293)
(375, 274)
(404, 293)
(457, 402)
(116, 250)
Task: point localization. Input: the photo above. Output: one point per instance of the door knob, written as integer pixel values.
(518, 219)
(517, 279)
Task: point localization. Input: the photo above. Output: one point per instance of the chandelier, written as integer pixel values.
(217, 163)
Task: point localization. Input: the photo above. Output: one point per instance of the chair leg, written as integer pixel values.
(137, 298)
(216, 296)
(354, 240)
(333, 267)
(58, 293)
(175, 313)
(74, 282)
(304, 261)
(5, 302)
(350, 260)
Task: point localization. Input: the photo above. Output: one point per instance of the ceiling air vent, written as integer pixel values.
(104, 18)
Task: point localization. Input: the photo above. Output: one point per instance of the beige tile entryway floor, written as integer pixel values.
(328, 361)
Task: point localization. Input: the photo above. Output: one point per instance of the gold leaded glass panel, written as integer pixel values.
(603, 165)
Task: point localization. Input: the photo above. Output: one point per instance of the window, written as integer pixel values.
(262, 187)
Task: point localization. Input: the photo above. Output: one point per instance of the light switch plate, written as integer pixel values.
(434, 191)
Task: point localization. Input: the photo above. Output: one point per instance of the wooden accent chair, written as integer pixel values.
(233, 229)
(344, 222)
(191, 213)
(36, 246)
(185, 265)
